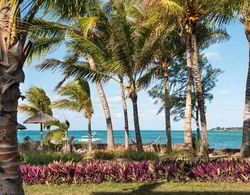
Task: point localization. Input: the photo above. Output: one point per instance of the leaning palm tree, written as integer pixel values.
(77, 31)
(37, 100)
(77, 98)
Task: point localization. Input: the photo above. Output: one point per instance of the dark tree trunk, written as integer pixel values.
(125, 113)
(197, 120)
(188, 109)
(245, 147)
(41, 134)
(167, 107)
(133, 96)
(105, 106)
(89, 135)
(200, 99)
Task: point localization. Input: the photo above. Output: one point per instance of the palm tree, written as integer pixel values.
(167, 51)
(111, 46)
(125, 112)
(241, 10)
(37, 100)
(190, 15)
(78, 33)
(15, 19)
(60, 134)
(77, 98)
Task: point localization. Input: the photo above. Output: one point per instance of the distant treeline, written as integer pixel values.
(228, 128)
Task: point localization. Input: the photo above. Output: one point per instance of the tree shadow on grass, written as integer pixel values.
(148, 190)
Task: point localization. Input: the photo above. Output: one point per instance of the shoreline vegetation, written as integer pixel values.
(227, 129)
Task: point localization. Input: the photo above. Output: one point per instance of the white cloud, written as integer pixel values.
(224, 92)
(212, 55)
(114, 99)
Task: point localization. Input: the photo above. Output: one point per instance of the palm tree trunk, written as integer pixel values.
(10, 178)
(133, 96)
(105, 106)
(11, 74)
(188, 109)
(125, 113)
(245, 147)
(197, 121)
(89, 135)
(200, 99)
(167, 108)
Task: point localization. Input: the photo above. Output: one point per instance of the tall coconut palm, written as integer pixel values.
(15, 19)
(79, 31)
(190, 15)
(240, 10)
(111, 45)
(77, 98)
(166, 52)
(125, 112)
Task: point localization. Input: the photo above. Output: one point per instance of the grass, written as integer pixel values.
(172, 188)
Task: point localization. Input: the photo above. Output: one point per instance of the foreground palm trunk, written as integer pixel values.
(10, 179)
(133, 96)
(125, 113)
(245, 148)
(200, 99)
(167, 108)
(105, 106)
(188, 109)
(12, 57)
(89, 135)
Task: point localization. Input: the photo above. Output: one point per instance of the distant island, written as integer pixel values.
(227, 129)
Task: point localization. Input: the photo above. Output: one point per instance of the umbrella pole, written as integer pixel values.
(41, 133)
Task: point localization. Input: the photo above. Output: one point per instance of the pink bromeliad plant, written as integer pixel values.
(143, 171)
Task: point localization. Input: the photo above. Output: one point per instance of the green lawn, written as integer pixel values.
(139, 188)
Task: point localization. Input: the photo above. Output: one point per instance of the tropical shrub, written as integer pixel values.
(143, 171)
(101, 155)
(179, 154)
(44, 158)
(134, 155)
(121, 153)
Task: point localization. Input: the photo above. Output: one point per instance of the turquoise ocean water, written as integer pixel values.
(217, 139)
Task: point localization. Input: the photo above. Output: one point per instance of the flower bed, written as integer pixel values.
(143, 171)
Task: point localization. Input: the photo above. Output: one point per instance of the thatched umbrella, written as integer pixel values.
(20, 127)
(40, 118)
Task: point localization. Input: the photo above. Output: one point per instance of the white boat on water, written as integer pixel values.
(85, 139)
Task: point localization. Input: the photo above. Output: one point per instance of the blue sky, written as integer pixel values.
(226, 108)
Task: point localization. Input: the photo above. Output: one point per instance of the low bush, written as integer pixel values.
(144, 171)
(44, 158)
(134, 155)
(101, 155)
(121, 153)
(179, 154)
